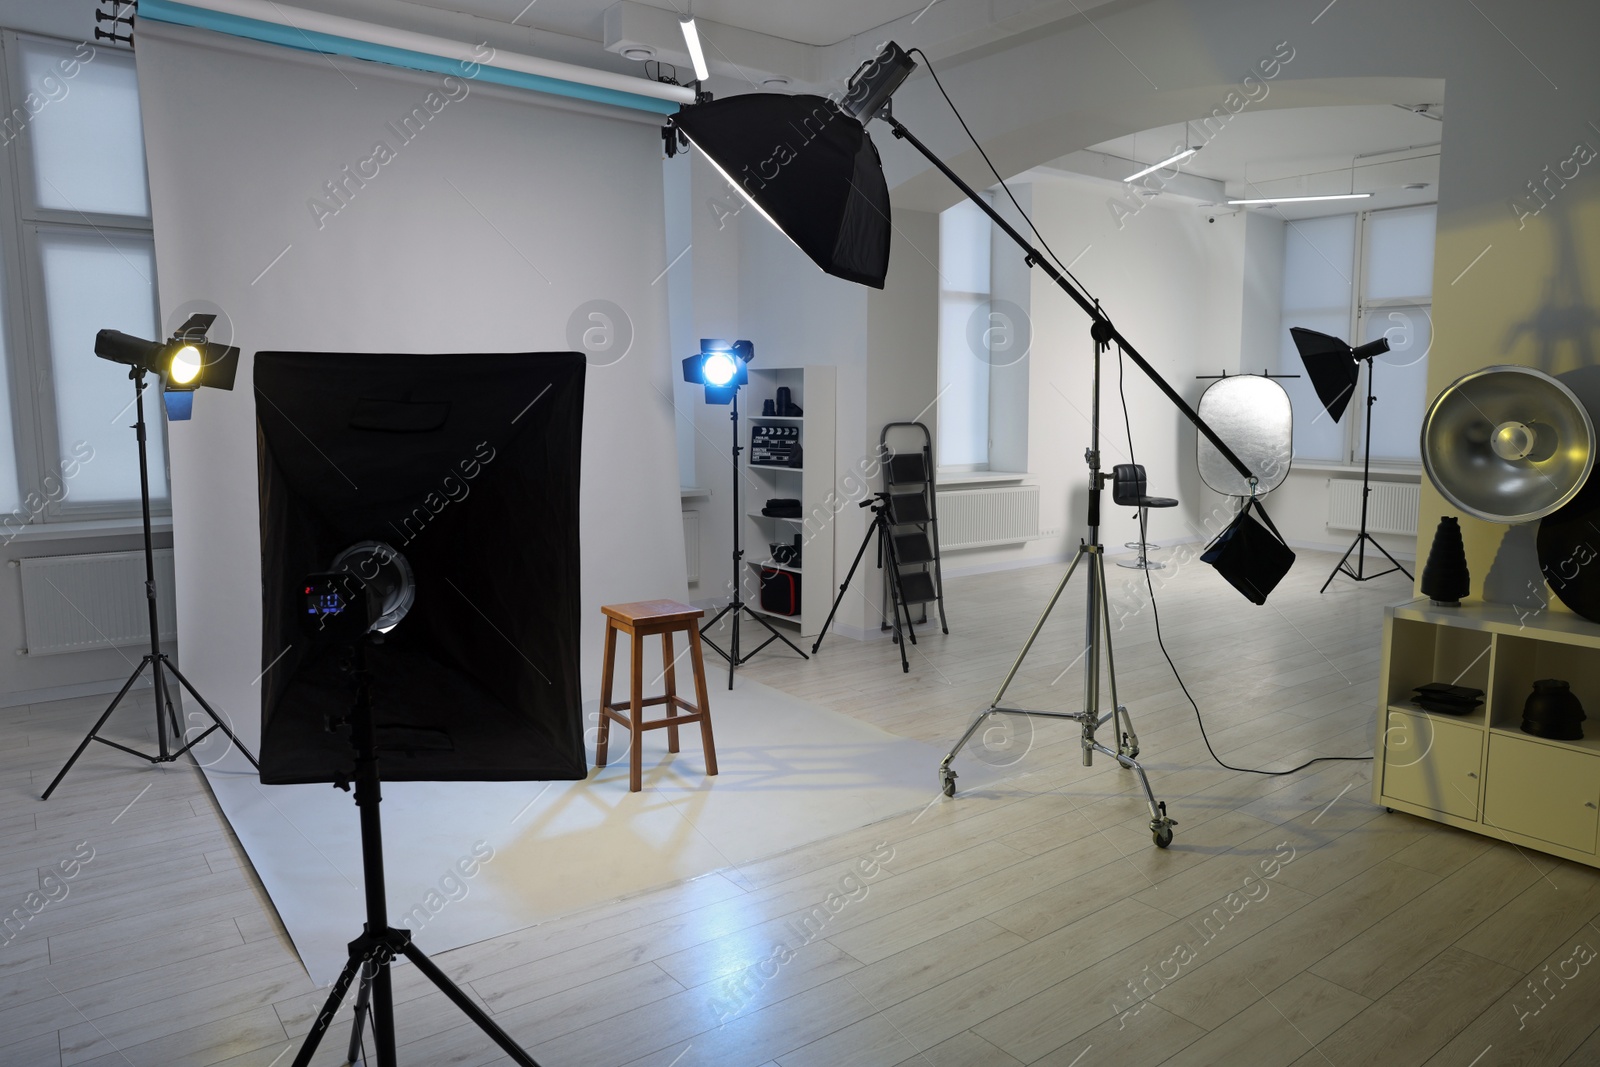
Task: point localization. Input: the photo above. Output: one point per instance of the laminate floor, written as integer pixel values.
(1026, 922)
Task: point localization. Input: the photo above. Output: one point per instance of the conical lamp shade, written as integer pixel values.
(1445, 579)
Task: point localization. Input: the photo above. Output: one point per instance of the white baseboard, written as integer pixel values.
(105, 687)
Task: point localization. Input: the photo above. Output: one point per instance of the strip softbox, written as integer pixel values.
(468, 466)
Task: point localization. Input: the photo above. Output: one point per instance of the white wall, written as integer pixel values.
(488, 232)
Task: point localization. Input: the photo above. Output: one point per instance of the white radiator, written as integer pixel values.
(72, 603)
(975, 518)
(1392, 508)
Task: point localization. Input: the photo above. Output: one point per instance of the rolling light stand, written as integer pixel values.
(1359, 546)
(1097, 630)
(380, 943)
(737, 607)
(880, 505)
(155, 659)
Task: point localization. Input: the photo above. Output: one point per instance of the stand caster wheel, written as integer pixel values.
(1389, 810)
(947, 781)
(1162, 837)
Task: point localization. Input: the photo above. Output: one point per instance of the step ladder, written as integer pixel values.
(908, 478)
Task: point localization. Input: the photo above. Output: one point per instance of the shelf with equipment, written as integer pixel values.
(769, 440)
(1479, 771)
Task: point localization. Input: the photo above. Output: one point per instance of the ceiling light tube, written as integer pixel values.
(1301, 199)
(697, 55)
(1152, 168)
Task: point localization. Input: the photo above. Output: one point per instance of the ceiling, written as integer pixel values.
(1377, 148)
(814, 22)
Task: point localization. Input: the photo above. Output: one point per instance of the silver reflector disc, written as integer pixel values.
(1252, 414)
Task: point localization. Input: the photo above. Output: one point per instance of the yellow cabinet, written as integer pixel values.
(1543, 791)
(1435, 763)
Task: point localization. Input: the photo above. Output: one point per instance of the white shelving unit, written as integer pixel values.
(814, 390)
(1479, 771)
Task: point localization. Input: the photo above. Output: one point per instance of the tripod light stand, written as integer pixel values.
(720, 367)
(881, 505)
(185, 363)
(367, 593)
(1334, 367)
(827, 193)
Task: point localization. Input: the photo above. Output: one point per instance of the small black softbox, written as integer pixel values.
(468, 466)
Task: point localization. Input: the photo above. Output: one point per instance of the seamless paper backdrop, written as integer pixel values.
(327, 204)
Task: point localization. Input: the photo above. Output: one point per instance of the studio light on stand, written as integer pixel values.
(184, 363)
(808, 166)
(442, 643)
(1334, 367)
(722, 368)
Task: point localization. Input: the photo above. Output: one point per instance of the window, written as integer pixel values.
(963, 351)
(75, 207)
(1362, 277)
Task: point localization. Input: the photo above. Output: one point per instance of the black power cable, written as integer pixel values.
(1156, 614)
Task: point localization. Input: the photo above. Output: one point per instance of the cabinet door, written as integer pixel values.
(1434, 763)
(1543, 791)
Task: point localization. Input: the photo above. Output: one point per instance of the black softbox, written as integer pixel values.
(468, 465)
(809, 167)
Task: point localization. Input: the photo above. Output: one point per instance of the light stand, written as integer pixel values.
(736, 606)
(379, 943)
(880, 505)
(155, 659)
(1097, 620)
(830, 197)
(1359, 546)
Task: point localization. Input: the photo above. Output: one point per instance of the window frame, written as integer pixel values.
(1360, 311)
(25, 312)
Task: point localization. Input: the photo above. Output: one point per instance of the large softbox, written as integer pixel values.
(811, 169)
(468, 465)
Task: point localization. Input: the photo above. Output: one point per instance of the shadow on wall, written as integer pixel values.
(1565, 326)
(1514, 577)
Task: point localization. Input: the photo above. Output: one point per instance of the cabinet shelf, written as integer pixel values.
(1479, 771)
(816, 390)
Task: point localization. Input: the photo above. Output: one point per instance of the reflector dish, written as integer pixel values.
(1508, 444)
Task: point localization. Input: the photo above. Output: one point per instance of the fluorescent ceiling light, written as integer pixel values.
(1152, 168)
(697, 55)
(1301, 199)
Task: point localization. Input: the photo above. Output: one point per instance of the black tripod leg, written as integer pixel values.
(214, 716)
(1337, 569)
(468, 1007)
(330, 1008)
(1398, 565)
(382, 1011)
(95, 729)
(896, 595)
(363, 998)
(775, 633)
(860, 552)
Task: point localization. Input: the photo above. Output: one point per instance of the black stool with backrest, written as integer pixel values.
(1128, 490)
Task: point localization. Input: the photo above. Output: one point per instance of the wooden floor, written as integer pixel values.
(1030, 922)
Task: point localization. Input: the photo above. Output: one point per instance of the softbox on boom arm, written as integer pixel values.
(468, 466)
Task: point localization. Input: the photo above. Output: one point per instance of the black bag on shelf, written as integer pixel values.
(780, 591)
(1253, 558)
(782, 507)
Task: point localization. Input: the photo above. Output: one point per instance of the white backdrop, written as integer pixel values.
(491, 226)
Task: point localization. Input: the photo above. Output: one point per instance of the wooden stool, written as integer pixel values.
(641, 620)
